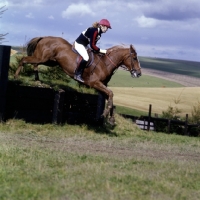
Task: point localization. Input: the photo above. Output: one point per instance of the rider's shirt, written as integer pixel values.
(90, 36)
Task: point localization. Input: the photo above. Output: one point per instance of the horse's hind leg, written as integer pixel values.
(21, 64)
(29, 60)
(36, 72)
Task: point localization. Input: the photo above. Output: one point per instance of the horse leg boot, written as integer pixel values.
(79, 71)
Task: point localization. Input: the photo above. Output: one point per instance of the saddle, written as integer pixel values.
(79, 57)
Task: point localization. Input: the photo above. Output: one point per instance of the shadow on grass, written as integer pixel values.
(106, 128)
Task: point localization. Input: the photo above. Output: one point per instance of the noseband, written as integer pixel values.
(134, 72)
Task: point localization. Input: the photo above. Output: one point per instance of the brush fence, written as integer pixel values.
(44, 105)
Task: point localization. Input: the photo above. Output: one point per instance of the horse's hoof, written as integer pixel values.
(111, 121)
(105, 113)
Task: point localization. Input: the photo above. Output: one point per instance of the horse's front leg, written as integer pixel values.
(109, 106)
(112, 117)
(101, 87)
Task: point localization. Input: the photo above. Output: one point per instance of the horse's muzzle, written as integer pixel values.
(136, 74)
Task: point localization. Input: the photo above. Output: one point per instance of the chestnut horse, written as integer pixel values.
(56, 50)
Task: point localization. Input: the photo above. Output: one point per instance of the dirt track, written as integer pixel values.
(187, 81)
(107, 148)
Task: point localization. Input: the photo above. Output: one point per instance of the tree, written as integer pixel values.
(2, 36)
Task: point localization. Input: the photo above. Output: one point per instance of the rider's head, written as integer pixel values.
(104, 25)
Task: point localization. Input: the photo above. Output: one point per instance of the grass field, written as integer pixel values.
(83, 162)
(183, 67)
(123, 79)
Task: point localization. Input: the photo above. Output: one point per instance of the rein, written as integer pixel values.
(130, 55)
(99, 61)
(115, 65)
(111, 60)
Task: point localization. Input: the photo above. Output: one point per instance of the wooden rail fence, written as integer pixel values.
(165, 125)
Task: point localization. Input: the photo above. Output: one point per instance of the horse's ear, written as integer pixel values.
(132, 49)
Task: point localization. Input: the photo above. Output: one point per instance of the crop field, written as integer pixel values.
(160, 93)
(159, 98)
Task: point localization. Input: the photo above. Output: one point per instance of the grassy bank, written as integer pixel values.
(82, 162)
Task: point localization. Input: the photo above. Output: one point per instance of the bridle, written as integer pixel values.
(134, 72)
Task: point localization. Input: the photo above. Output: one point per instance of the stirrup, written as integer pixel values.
(78, 78)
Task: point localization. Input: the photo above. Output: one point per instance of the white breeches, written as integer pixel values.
(82, 51)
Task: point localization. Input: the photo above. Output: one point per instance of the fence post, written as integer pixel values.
(169, 124)
(57, 116)
(186, 125)
(100, 107)
(149, 117)
(4, 66)
(144, 125)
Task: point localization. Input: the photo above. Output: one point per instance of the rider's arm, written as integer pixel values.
(93, 40)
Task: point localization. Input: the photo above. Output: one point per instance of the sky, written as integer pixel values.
(157, 28)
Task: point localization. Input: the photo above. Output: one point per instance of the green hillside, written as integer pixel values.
(182, 67)
(123, 79)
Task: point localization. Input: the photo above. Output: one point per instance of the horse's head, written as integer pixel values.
(132, 62)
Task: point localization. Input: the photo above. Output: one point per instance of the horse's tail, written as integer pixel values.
(32, 45)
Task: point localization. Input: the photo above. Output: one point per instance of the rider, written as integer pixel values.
(90, 36)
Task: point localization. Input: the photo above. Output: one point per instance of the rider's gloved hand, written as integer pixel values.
(103, 51)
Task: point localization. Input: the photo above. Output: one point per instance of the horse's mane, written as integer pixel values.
(116, 47)
(119, 47)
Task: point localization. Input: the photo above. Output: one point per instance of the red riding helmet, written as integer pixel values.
(105, 22)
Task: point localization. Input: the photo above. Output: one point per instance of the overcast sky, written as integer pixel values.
(157, 28)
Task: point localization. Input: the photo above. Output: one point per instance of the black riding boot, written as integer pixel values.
(79, 71)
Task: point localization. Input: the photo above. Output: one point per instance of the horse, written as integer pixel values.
(53, 51)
